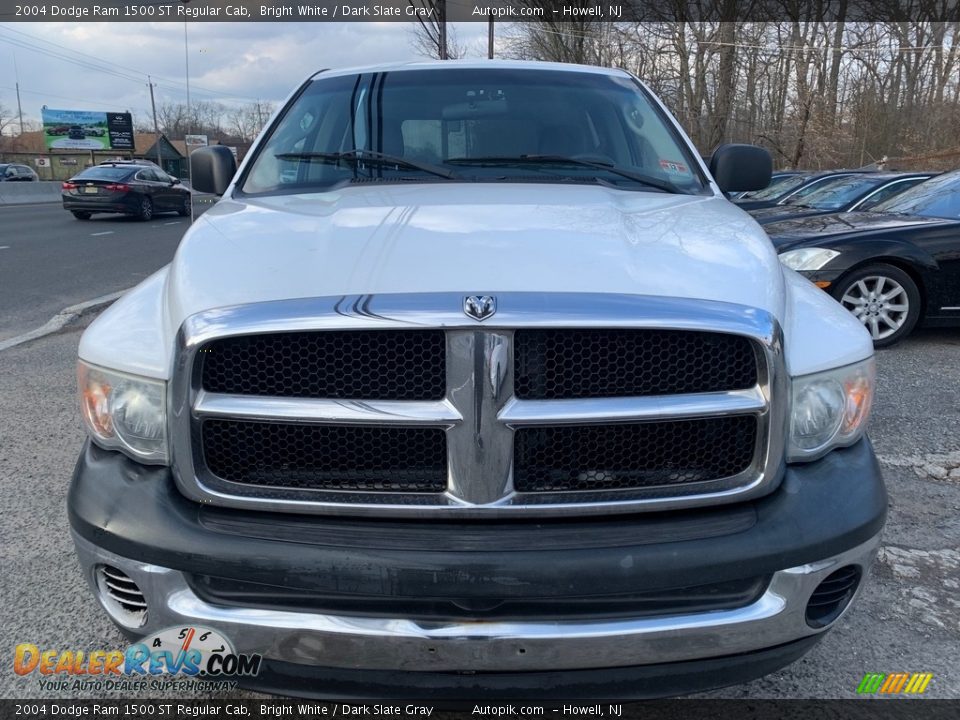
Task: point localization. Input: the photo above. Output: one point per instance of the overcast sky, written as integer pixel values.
(229, 62)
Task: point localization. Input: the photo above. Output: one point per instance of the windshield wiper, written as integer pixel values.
(664, 185)
(367, 156)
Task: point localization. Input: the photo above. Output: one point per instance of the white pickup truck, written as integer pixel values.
(474, 384)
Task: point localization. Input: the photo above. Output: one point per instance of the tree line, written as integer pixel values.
(817, 93)
(237, 123)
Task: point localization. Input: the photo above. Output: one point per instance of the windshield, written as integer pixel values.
(473, 125)
(776, 188)
(938, 197)
(836, 194)
(104, 173)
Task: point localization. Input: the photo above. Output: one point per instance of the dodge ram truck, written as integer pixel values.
(474, 384)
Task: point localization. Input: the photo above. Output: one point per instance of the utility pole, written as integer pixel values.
(186, 62)
(443, 29)
(156, 127)
(490, 36)
(19, 109)
(16, 73)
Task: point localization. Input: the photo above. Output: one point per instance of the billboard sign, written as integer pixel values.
(86, 130)
(195, 141)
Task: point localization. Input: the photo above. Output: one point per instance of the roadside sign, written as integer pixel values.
(41, 162)
(87, 130)
(192, 141)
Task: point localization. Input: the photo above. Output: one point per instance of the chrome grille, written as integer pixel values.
(495, 443)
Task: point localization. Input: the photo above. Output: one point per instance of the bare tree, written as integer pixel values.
(6, 117)
(431, 29)
(246, 121)
(819, 91)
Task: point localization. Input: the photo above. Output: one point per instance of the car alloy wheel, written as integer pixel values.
(146, 208)
(885, 299)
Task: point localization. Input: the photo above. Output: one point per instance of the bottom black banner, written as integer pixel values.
(686, 709)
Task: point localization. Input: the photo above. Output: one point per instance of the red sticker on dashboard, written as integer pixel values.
(674, 167)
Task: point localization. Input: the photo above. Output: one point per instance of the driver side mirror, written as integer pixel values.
(741, 168)
(212, 168)
(174, 180)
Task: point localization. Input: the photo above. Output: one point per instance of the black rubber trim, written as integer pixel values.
(682, 600)
(446, 689)
(820, 509)
(548, 534)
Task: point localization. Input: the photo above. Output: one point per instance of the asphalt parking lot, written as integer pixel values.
(907, 619)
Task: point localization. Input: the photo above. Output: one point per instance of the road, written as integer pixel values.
(907, 619)
(49, 260)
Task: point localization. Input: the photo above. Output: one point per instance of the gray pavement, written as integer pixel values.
(907, 620)
(50, 260)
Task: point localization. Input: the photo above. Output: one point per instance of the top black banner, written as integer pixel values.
(548, 11)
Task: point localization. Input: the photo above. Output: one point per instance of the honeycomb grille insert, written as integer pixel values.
(562, 364)
(348, 365)
(628, 456)
(321, 457)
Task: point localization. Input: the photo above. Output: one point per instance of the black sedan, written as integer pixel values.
(794, 187)
(778, 176)
(892, 267)
(846, 193)
(13, 172)
(129, 189)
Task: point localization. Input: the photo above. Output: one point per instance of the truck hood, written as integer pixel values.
(472, 238)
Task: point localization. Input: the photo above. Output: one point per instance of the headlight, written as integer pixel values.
(829, 410)
(807, 258)
(124, 412)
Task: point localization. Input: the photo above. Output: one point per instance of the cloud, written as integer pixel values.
(229, 62)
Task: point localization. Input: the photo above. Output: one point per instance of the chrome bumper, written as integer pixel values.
(361, 643)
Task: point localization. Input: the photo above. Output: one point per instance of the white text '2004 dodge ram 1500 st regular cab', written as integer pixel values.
(473, 383)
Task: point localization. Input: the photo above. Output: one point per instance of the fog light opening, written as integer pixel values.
(121, 596)
(832, 596)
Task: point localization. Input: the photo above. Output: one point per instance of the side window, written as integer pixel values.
(811, 188)
(888, 192)
(146, 174)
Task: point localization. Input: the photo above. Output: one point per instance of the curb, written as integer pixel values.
(63, 318)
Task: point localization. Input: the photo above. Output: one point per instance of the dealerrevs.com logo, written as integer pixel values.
(190, 652)
(894, 683)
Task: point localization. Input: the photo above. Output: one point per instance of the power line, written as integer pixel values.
(85, 101)
(93, 63)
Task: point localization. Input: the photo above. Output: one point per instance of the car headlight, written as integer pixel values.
(124, 412)
(807, 258)
(829, 410)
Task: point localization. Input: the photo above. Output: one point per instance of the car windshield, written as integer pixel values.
(938, 197)
(838, 193)
(776, 188)
(104, 173)
(473, 125)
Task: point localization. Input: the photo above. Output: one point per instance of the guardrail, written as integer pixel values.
(24, 193)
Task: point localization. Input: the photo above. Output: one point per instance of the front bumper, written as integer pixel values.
(825, 515)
